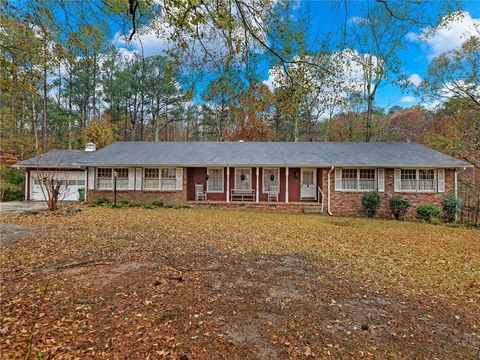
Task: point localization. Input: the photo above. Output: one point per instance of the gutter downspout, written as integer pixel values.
(328, 191)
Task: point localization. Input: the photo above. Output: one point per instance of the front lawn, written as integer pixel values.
(208, 284)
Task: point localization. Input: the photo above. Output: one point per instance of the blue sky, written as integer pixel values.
(326, 18)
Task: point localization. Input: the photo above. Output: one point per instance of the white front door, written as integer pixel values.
(308, 184)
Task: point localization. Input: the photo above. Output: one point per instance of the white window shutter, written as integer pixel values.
(441, 180)
(179, 177)
(91, 178)
(397, 180)
(131, 178)
(381, 179)
(138, 178)
(338, 179)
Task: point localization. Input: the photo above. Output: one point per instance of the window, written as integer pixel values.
(122, 178)
(104, 178)
(349, 179)
(215, 180)
(168, 179)
(81, 182)
(151, 179)
(417, 180)
(357, 179)
(367, 179)
(426, 180)
(270, 178)
(242, 178)
(72, 182)
(409, 179)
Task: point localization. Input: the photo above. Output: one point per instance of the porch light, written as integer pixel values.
(242, 177)
(272, 177)
(296, 174)
(206, 177)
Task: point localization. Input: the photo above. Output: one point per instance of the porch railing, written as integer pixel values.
(320, 194)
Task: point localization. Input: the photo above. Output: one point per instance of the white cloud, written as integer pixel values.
(415, 79)
(449, 34)
(408, 99)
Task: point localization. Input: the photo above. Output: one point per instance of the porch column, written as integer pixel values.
(286, 185)
(228, 184)
(256, 188)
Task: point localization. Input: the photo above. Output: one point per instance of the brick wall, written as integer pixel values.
(168, 197)
(350, 203)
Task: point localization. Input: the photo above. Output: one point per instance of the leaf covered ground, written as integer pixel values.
(218, 284)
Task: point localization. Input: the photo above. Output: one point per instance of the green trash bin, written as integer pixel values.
(81, 194)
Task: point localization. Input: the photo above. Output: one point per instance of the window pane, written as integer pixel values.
(104, 173)
(104, 180)
(409, 179)
(349, 179)
(151, 173)
(426, 180)
(267, 179)
(168, 181)
(81, 182)
(215, 180)
(367, 179)
(245, 183)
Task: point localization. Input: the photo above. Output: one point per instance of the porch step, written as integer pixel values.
(312, 209)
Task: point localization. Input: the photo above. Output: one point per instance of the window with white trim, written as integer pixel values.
(151, 179)
(359, 179)
(349, 179)
(426, 180)
(242, 178)
(417, 180)
(122, 178)
(215, 180)
(270, 178)
(366, 179)
(104, 178)
(168, 179)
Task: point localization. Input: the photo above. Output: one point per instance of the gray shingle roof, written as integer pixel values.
(57, 159)
(320, 154)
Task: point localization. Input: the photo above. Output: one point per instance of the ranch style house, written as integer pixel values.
(325, 177)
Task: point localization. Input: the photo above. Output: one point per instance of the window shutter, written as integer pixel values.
(381, 179)
(179, 177)
(441, 180)
(131, 178)
(91, 178)
(338, 179)
(397, 180)
(138, 178)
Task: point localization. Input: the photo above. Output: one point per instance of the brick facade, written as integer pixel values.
(350, 203)
(177, 197)
(342, 203)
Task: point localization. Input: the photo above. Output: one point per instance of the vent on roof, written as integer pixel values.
(90, 147)
(240, 140)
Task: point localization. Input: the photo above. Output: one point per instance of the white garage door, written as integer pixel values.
(70, 181)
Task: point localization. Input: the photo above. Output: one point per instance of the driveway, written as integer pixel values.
(12, 207)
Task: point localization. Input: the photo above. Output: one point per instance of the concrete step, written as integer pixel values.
(312, 209)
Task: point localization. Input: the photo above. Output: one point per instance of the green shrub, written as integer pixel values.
(11, 192)
(12, 184)
(451, 207)
(102, 201)
(428, 212)
(371, 203)
(399, 206)
(157, 203)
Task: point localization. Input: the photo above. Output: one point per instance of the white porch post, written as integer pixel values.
(286, 184)
(228, 184)
(257, 188)
(27, 181)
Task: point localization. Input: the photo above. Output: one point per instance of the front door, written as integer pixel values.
(308, 184)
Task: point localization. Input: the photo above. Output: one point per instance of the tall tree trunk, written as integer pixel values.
(70, 109)
(34, 125)
(45, 92)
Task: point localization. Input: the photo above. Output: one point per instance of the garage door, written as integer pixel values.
(70, 181)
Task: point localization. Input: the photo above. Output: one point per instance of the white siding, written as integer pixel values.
(91, 178)
(131, 178)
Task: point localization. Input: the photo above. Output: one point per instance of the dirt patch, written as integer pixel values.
(9, 233)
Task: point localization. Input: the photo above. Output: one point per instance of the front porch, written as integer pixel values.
(218, 186)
